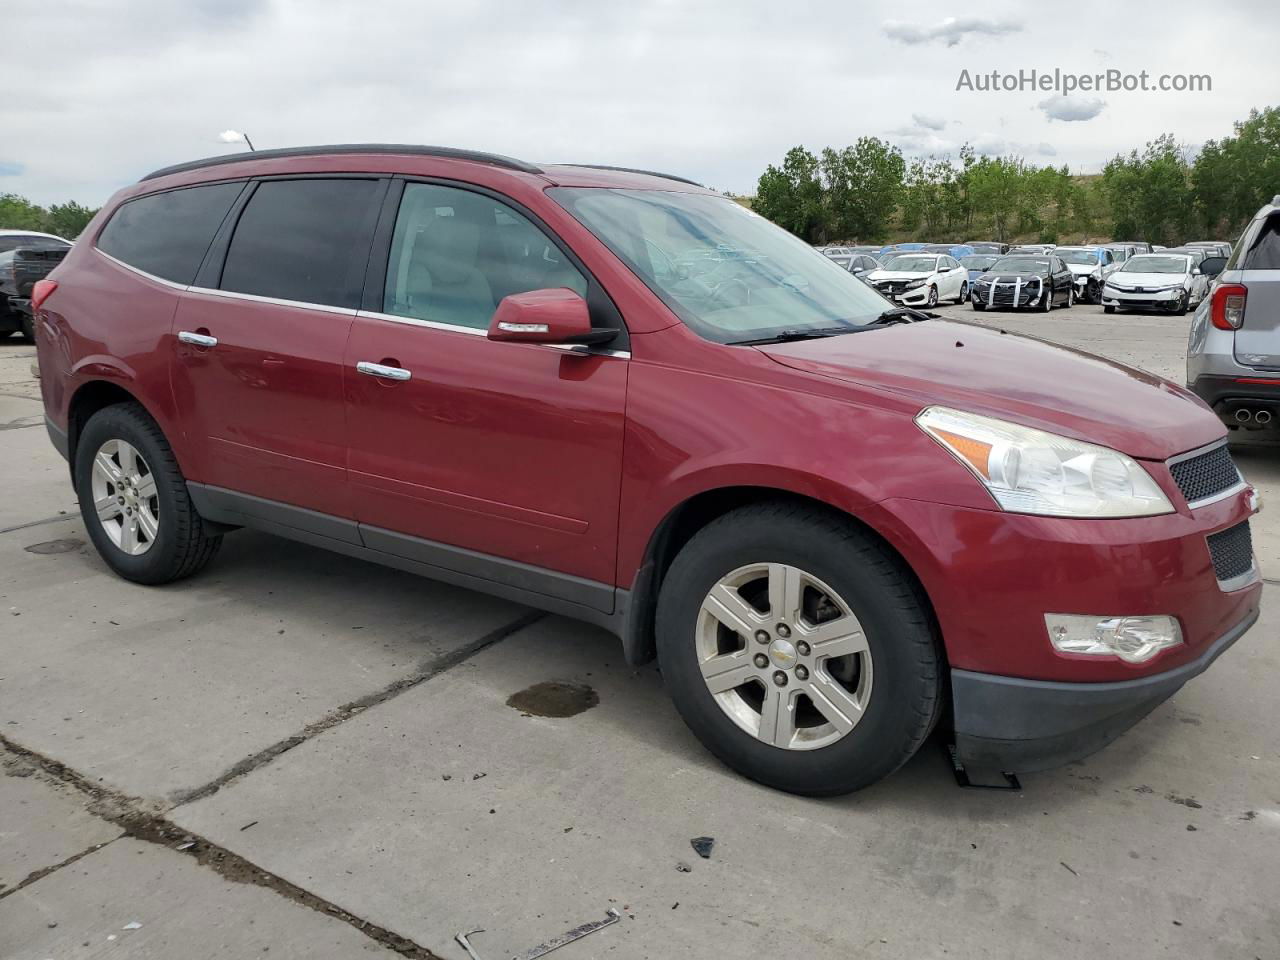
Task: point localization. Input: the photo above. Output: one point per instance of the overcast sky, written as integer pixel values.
(98, 92)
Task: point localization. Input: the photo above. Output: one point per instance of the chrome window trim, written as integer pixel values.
(1231, 491)
(477, 332)
(278, 301)
(142, 273)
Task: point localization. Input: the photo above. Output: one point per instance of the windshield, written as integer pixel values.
(1151, 263)
(909, 263)
(978, 262)
(1020, 265)
(728, 273)
(1087, 257)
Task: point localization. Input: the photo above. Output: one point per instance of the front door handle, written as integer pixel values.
(197, 339)
(382, 371)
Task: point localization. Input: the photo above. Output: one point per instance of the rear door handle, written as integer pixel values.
(382, 371)
(197, 339)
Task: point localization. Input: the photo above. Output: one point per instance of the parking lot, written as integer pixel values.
(301, 754)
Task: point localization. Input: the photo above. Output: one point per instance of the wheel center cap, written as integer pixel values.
(782, 653)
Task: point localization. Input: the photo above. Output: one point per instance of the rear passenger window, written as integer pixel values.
(455, 254)
(305, 240)
(1264, 254)
(167, 234)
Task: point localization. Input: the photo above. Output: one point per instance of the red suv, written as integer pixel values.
(622, 397)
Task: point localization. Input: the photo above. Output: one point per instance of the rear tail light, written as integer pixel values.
(40, 292)
(1227, 310)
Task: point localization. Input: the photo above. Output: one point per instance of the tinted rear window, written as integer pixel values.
(305, 240)
(1264, 253)
(167, 234)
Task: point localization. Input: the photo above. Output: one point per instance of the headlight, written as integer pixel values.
(1030, 471)
(914, 284)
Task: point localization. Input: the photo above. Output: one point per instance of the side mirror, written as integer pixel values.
(1212, 266)
(552, 316)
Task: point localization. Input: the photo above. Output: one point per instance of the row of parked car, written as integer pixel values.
(1118, 275)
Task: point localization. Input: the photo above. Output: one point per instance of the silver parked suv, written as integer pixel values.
(1233, 355)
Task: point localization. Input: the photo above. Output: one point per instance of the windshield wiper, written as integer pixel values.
(792, 335)
(903, 315)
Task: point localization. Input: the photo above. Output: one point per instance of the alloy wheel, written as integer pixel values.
(784, 656)
(125, 498)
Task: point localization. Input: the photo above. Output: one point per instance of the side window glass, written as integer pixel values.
(1264, 251)
(167, 234)
(305, 240)
(455, 254)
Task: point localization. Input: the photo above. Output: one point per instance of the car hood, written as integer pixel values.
(1082, 268)
(1006, 276)
(1147, 279)
(1022, 379)
(898, 274)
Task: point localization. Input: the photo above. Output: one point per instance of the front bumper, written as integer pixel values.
(1008, 723)
(915, 297)
(1161, 300)
(1007, 296)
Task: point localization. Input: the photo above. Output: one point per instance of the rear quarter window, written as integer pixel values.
(167, 234)
(1264, 252)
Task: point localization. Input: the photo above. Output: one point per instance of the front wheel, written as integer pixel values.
(933, 296)
(1046, 299)
(1108, 309)
(798, 649)
(134, 500)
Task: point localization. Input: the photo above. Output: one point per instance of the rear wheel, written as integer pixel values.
(134, 500)
(964, 293)
(798, 649)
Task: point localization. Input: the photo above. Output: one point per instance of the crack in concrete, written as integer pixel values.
(41, 523)
(127, 813)
(430, 669)
(151, 826)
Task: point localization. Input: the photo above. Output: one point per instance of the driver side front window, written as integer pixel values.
(456, 254)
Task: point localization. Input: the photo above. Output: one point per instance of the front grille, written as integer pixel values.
(1232, 551)
(1205, 474)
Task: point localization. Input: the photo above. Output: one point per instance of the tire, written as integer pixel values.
(1107, 309)
(1071, 297)
(1184, 304)
(933, 297)
(899, 676)
(28, 331)
(964, 293)
(1046, 300)
(979, 306)
(179, 545)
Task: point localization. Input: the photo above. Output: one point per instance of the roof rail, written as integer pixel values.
(647, 173)
(453, 153)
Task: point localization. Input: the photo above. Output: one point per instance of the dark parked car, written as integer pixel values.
(835, 522)
(1024, 280)
(983, 246)
(25, 257)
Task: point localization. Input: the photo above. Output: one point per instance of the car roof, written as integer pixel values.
(32, 233)
(373, 157)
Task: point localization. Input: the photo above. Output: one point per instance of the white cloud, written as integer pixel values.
(951, 30)
(1071, 108)
(929, 123)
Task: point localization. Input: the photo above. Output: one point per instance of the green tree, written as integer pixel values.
(19, 213)
(69, 219)
(861, 188)
(791, 196)
(1231, 178)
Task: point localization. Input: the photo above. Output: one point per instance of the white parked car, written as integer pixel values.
(1089, 267)
(1156, 281)
(920, 279)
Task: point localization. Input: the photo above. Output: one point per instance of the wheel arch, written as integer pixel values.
(88, 398)
(689, 516)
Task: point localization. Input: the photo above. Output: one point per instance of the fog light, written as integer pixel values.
(1132, 639)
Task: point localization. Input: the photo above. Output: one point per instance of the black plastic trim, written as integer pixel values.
(545, 589)
(59, 438)
(1010, 723)
(410, 149)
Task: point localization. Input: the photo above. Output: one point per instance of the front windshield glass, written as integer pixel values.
(1020, 265)
(728, 273)
(909, 263)
(1087, 257)
(1152, 263)
(978, 262)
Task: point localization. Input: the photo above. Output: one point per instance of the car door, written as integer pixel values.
(498, 460)
(257, 373)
